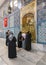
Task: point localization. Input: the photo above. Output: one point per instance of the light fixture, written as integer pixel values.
(9, 9)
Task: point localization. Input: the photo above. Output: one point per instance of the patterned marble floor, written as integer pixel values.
(23, 57)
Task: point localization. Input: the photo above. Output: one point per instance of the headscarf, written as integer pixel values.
(11, 36)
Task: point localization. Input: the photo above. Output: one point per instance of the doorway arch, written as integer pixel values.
(28, 24)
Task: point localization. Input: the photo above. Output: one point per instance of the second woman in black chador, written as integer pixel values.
(20, 39)
(12, 47)
(7, 35)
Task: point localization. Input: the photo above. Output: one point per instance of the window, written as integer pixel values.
(14, 3)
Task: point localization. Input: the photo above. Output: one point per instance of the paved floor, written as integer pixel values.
(23, 57)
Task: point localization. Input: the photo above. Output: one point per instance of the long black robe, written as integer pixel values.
(20, 40)
(28, 41)
(7, 38)
(12, 48)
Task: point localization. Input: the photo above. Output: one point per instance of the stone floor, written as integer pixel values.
(23, 57)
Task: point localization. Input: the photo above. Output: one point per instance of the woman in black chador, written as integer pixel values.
(7, 35)
(20, 38)
(28, 41)
(12, 46)
(6, 38)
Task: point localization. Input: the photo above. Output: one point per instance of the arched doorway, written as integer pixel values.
(28, 25)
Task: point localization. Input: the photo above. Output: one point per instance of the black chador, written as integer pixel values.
(12, 47)
(7, 38)
(20, 40)
(7, 35)
(28, 41)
